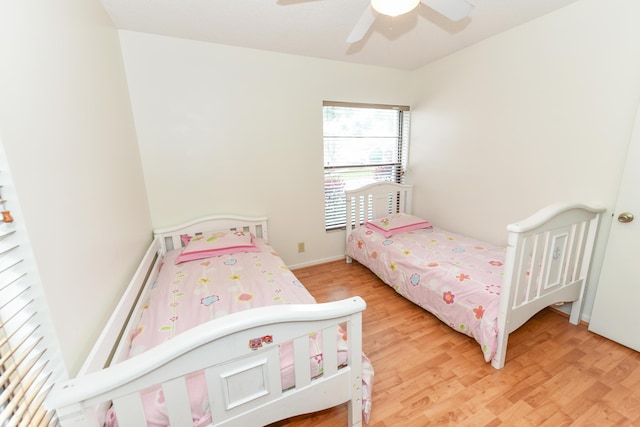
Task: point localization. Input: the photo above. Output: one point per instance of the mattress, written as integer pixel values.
(456, 278)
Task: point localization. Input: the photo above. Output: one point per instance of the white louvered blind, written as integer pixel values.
(24, 370)
(363, 144)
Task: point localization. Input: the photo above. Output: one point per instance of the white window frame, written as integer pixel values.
(340, 176)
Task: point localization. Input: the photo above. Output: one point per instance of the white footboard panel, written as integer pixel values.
(244, 384)
(547, 262)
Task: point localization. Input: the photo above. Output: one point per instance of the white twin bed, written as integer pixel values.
(219, 333)
(478, 289)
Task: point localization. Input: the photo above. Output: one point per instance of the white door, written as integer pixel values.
(616, 306)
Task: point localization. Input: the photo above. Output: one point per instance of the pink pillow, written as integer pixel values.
(216, 244)
(397, 223)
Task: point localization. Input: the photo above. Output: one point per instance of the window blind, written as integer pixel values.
(25, 374)
(363, 144)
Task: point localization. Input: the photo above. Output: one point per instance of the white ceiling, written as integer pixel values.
(319, 28)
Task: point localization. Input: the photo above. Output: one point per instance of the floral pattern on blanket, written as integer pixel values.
(456, 278)
(217, 286)
(211, 288)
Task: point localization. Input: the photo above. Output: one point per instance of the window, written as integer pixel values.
(25, 374)
(363, 144)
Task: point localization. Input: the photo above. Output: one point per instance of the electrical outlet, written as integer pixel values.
(300, 247)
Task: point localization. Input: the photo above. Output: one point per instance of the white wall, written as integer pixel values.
(230, 130)
(68, 133)
(538, 114)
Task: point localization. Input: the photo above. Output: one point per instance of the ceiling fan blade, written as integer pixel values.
(363, 25)
(455, 10)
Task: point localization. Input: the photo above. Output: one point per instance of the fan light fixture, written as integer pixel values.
(394, 7)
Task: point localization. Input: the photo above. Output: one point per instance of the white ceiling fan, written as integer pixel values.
(454, 10)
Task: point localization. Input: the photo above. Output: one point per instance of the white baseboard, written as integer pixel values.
(316, 262)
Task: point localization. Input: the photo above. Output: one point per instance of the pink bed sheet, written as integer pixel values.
(456, 278)
(190, 293)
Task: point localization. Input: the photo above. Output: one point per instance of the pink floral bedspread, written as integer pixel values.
(456, 278)
(190, 293)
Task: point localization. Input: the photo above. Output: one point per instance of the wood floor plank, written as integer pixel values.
(426, 374)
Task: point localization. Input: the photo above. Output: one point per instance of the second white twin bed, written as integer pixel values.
(481, 290)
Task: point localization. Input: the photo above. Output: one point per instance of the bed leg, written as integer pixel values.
(348, 259)
(354, 412)
(501, 352)
(576, 308)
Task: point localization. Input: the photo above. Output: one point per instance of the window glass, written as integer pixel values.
(362, 144)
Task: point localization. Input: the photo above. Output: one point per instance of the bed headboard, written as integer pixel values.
(170, 237)
(376, 200)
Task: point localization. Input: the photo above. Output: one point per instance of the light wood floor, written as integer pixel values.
(556, 374)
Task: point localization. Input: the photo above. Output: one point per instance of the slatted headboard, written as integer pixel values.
(376, 200)
(170, 237)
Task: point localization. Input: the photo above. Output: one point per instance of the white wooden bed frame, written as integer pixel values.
(564, 232)
(244, 386)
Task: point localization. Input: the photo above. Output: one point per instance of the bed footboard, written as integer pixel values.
(239, 355)
(547, 262)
